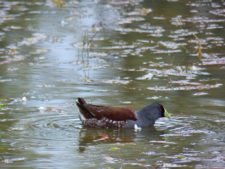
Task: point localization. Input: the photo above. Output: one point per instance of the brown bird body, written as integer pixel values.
(99, 112)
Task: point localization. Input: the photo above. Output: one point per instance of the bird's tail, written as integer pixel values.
(83, 108)
(80, 101)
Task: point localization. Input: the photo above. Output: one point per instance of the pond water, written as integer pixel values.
(115, 52)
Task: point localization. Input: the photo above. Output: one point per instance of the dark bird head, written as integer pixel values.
(149, 114)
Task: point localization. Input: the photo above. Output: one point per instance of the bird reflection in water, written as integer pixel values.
(93, 136)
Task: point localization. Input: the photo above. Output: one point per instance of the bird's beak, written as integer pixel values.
(167, 114)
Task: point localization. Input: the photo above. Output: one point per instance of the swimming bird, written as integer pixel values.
(109, 116)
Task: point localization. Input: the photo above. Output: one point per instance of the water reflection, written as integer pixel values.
(90, 136)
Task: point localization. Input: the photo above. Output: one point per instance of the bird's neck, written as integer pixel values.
(144, 121)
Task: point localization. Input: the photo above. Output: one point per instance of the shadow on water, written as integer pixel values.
(90, 137)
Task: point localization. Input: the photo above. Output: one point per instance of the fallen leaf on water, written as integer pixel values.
(58, 3)
(114, 148)
(180, 156)
(145, 11)
(103, 137)
(2, 105)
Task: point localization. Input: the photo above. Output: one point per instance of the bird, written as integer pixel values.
(103, 116)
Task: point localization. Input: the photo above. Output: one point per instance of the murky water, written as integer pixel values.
(114, 52)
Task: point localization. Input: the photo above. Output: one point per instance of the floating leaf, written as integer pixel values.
(180, 156)
(114, 148)
(2, 105)
(199, 52)
(199, 47)
(59, 3)
(103, 137)
(145, 11)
